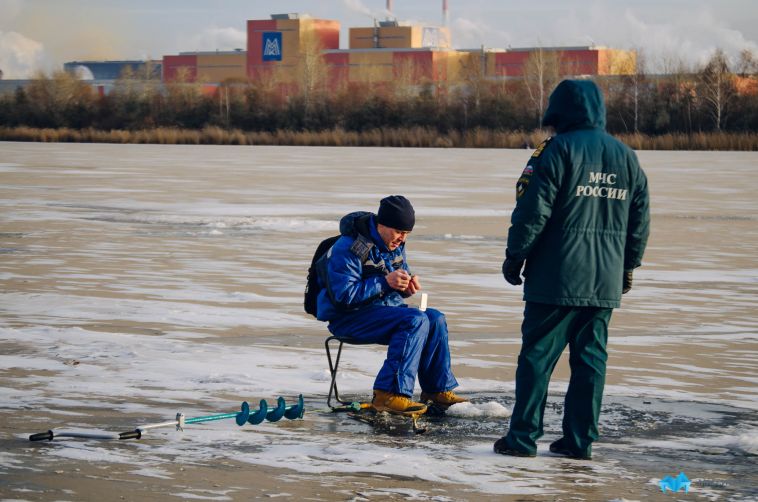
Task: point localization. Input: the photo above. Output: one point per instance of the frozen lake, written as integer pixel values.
(137, 281)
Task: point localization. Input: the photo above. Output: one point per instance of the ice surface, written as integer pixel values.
(140, 281)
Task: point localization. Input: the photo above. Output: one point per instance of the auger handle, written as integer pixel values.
(135, 434)
(41, 436)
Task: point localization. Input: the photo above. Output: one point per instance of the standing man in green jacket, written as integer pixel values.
(580, 225)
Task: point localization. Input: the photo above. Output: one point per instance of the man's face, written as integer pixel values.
(392, 237)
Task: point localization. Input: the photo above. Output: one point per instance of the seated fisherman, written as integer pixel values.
(365, 281)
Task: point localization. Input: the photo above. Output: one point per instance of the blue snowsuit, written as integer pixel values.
(362, 308)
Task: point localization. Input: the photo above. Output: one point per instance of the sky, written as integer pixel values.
(43, 34)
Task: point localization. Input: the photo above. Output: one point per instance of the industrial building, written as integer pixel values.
(395, 35)
(588, 60)
(393, 52)
(283, 48)
(289, 51)
(111, 70)
(216, 66)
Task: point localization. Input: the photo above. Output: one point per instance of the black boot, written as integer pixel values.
(559, 447)
(501, 447)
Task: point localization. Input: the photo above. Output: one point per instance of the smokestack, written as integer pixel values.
(445, 14)
(389, 7)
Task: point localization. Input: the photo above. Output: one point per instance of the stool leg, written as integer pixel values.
(333, 371)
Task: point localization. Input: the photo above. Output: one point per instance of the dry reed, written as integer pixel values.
(414, 137)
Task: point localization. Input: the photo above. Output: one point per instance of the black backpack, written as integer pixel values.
(312, 288)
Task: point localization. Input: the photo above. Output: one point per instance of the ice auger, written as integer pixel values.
(241, 417)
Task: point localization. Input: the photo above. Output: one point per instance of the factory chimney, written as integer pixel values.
(389, 7)
(445, 14)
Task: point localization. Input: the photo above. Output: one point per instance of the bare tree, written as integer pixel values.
(184, 92)
(405, 76)
(669, 63)
(311, 67)
(717, 87)
(747, 63)
(681, 88)
(58, 100)
(541, 74)
(637, 79)
(148, 71)
(473, 75)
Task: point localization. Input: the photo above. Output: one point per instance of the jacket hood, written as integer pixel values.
(356, 223)
(575, 104)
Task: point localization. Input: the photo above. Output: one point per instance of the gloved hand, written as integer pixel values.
(512, 270)
(627, 282)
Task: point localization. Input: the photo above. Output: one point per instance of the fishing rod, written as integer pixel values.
(241, 417)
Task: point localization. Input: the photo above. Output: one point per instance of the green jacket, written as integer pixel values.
(582, 213)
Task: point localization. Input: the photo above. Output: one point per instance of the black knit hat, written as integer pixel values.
(396, 212)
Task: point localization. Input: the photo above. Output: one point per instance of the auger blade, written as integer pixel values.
(260, 415)
(296, 411)
(243, 415)
(276, 414)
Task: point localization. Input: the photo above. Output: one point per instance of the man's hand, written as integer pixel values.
(627, 282)
(398, 279)
(512, 270)
(413, 286)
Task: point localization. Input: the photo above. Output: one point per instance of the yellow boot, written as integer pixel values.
(396, 403)
(443, 399)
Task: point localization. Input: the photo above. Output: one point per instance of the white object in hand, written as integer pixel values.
(424, 299)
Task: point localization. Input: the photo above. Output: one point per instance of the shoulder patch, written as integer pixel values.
(523, 181)
(521, 186)
(361, 247)
(541, 147)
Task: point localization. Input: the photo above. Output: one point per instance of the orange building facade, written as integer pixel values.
(181, 68)
(212, 67)
(572, 61)
(292, 50)
(392, 53)
(281, 47)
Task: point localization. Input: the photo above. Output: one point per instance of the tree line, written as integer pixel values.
(720, 97)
